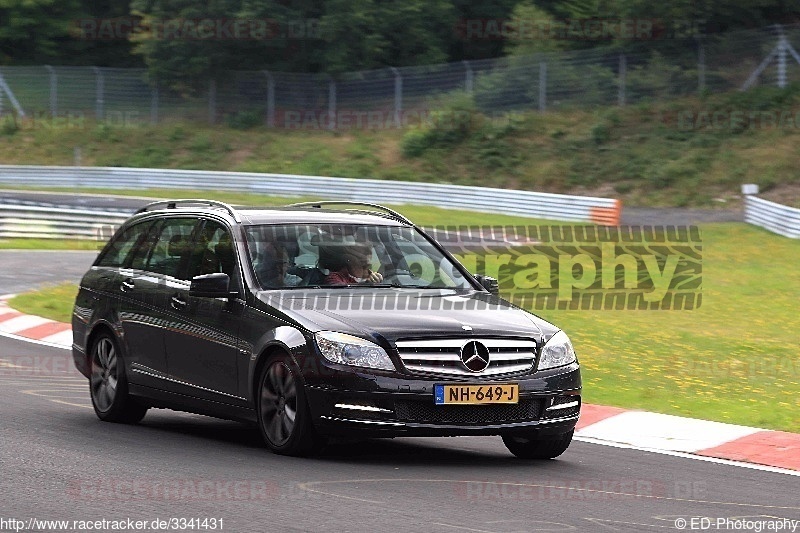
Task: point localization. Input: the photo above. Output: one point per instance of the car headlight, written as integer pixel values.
(557, 352)
(349, 350)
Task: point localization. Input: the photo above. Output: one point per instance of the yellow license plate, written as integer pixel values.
(476, 394)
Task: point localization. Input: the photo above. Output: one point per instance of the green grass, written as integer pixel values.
(647, 154)
(733, 360)
(48, 244)
(53, 302)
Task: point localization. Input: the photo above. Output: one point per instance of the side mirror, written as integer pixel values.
(489, 283)
(215, 285)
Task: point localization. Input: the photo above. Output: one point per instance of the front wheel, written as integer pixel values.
(283, 414)
(548, 447)
(108, 385)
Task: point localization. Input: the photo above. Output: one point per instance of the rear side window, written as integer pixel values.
(213, 251)
(119, 249)
(170, 245)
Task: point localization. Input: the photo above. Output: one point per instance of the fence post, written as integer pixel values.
(623, 70)
(542, 86)
(469, 80)
(270, 99)
(4, 88)
(782, 49)
(98, 109)
(701, 66)
(332, 104)
(154, 105)
(212, 101)
(53, 90)
(398, 97)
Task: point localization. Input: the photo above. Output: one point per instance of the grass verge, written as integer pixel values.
(734, 359)
(47, 244)
(53, 302)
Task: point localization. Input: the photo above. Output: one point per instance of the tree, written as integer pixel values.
(368, 34)
(184, 42)
(32, 30)
(295, 43)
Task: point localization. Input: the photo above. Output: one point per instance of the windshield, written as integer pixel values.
(339, 255)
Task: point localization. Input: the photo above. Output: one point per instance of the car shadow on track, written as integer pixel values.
(474, 452)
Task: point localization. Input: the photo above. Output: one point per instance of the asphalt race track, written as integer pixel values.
(59, 462)
(22, 270)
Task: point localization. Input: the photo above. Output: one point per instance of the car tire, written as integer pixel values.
(537, 448)
(284, 418)
(108, 383)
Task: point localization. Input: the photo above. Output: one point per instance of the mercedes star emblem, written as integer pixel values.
(475, 356)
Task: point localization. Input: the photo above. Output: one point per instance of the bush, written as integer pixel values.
(414, 142)
(447, 127)
(9, 126)
(601, 133)
(245, 120)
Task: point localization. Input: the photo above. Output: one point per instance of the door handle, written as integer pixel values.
(127, 285)
(178, 303)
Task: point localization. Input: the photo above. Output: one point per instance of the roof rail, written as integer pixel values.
(172, 204)
(385, 210)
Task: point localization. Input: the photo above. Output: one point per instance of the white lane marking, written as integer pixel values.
(684, 455)
(306, 486)
(19, 323)
(52, 393)
(64, 338)
(33, 341)
(60, 382)
(73, 404)
(56, 398)
(664, 432)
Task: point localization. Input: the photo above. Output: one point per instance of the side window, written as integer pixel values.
(119, 249)
(171, 246)
(213, 251)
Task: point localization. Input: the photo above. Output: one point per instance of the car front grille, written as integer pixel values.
(443, 356)
(426, 412)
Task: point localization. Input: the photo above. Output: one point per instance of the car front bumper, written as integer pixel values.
(387, 406)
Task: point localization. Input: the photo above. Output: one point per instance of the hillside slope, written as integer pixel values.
(689, 152)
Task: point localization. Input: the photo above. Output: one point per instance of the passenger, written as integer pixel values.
(352, 266)
(273, 270)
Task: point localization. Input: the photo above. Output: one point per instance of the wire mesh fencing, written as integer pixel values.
(398, 97)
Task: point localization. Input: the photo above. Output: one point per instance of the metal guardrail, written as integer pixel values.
(57, 223)
(605, 211)
(774, 217)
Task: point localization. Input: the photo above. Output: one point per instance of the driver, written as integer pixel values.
(352, 266)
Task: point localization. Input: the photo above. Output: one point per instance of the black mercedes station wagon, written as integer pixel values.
(313, 321)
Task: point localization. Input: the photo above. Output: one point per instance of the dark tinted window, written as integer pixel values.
(170, 244)
(119, 249)
(213, 251)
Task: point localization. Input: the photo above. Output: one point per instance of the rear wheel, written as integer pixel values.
(548, 447)
(108, 384)
(283, 414)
